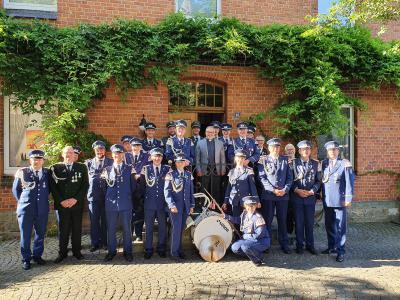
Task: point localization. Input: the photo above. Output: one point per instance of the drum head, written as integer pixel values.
(212, 248)
(213, 225)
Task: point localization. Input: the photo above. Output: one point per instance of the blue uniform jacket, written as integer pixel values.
(143, 160)
(338, 183)
(147, 146)
(178, 191)
(32, 195)
(119, 188)
(275, 176)
(240, 185)
(152, 187)
(227, 144)
(97, 184)
(249, 146)
(306, 179)
(253, 227)
(173, 147)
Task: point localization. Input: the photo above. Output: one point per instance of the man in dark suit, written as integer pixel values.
(211, 163)
(69, 185)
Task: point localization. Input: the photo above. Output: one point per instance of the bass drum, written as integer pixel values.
(213, 226)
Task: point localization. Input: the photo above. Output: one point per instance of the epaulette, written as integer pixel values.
(19, 171)
(144, 170)
(168, 176)
(250, 171)
(347, 163)
(169, 142)
(260, 220)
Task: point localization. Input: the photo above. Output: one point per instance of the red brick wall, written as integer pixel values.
(392, 31)
(262, 12)
(377, 142)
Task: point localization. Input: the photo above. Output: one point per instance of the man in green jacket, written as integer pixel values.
(69, 184)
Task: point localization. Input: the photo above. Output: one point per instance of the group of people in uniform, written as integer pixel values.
(150, 179)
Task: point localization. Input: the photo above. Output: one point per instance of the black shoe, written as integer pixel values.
(328, 251)
(299, 250)
(258, 263)
(148, 255)
(286, 250)
(94, 248)
(78, 256)
(60, 258)
(162, 254)
(176, 258)
(312, 250)
(182, 255)
(340, 258)
(128, 257)
(109, 257)
(26, 265)
(39, 261)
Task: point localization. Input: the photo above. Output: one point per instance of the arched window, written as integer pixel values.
(198, 96)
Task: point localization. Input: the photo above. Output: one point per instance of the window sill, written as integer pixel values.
(36, 14)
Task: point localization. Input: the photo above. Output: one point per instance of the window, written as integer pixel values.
(346, 143)
(193, 8)
(43, 5)
(198, 95)
(20, 136)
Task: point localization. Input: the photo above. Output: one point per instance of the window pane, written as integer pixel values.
(218, 101)
(201, 100)
(201, 88)
(209, 89)
(218, 90)
(207, 8)
(210, 100)
(174, 101)
(344, 142)
(22, 137)
(41, 2)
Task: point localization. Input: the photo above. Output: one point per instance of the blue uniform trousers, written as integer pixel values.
(268, 208)
(124, 217)
(335, 225)
(26, 224)
(304, 222)
(98, 225)
(252, 248)
(149, 217)
(178, 222)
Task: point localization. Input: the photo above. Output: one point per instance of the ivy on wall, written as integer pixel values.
(50, 69)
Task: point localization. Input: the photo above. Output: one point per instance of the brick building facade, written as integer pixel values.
(376, 141)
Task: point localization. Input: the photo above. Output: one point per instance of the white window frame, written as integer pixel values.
(7, 169)
(218, 8)
(351, 132)
(29, 6)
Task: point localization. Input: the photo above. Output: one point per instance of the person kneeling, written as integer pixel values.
(255, 239)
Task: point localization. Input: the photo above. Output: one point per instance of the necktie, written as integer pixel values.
(136, 159)
(69, 168)
(331, 164)
(157, 171)
(150, 143)
(100, 163)
(37, 175)
(119, 169)
(181, 141)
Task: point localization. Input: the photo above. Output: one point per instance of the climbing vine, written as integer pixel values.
(49, 69)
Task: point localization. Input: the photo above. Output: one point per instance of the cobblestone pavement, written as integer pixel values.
(371, 271)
